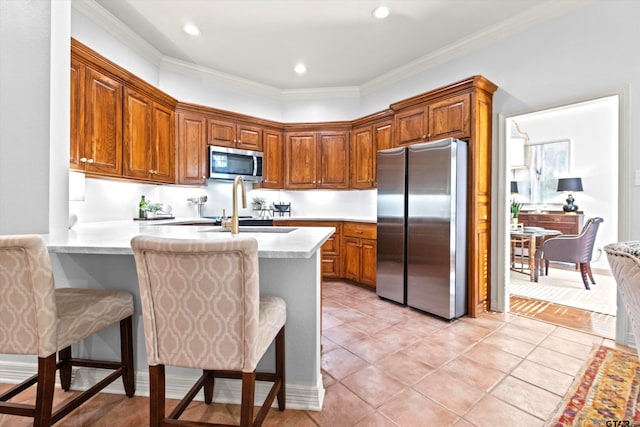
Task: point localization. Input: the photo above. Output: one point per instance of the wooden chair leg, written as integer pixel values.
(64, 357)
(280, 370)
(156, 395)
(209, 381)
(248, 393)
(546, 267)
(590, 273)
(44, 392)
(585, 275)
(126, 356)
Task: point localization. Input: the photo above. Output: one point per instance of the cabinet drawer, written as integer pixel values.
(359, 229)
(330, 266)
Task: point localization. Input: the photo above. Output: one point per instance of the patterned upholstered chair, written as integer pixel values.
(201, 309)
(574, 249)
(624, 259)
(36, 318)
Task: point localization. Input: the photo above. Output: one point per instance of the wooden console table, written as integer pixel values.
(566, 223)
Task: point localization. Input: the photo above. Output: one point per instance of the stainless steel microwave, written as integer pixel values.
(227, 163)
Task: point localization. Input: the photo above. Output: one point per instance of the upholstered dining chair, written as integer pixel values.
(624, 258)
(36, 318)
(202, 309)
(577, 249)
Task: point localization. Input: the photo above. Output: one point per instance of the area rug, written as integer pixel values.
(565, 287)
(605, 393)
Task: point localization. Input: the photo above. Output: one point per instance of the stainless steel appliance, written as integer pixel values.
(422, 226)
(227, 163)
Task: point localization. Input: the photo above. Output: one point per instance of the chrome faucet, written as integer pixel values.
(234, 223)
(198, 202)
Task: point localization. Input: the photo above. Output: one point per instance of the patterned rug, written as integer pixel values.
(605, 393)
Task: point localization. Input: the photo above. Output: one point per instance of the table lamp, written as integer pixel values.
(570, 184)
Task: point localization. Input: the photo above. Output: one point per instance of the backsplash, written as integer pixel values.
(112, 200)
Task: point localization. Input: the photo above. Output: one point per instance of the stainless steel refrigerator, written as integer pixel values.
(422, 205)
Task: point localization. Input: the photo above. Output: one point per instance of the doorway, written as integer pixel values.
(583, 141)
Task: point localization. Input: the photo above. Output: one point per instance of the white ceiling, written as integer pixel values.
(340, 42)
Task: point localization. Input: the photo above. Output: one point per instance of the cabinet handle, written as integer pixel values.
(90, 161)
(424, 136)
(83, 159)
(204, 177)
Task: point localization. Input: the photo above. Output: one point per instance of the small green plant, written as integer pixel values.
(515, 208)
(258, 201)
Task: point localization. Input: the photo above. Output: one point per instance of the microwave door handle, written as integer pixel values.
(255, 165)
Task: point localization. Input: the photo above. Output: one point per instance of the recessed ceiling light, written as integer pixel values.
(381, 12)
(300, 68)
(191, 29)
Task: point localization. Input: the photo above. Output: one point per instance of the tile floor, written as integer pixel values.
(387, 365)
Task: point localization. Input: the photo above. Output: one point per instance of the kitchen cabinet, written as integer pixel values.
(383, 135)
(273, 160)
(98, 149)
(192, 149)
(76, 136)
(317, 160)
(149, 146)
(330, 251)
(227, 133)
(363, 158)
(564, 223)
(359, 252)
(444, 118)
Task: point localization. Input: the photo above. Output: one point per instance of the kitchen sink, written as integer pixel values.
(249, 229)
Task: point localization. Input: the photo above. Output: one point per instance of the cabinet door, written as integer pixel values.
(103, 121)
(300, 160)
(411, 126)
(450, 118)
(368, 266)
(192, 150)
(138, 162)
(249, 137)
(362, 158)
(273, 166)
(163, 147)
(221, 133)
(76, 136)
(333, 149)
(382, 135)
(351, 258)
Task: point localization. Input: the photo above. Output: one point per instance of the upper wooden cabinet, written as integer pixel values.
(317, 160)
(448, 117)
(149, 147)
(96, 121)
(192, 149)
(273, 160)
(383, 135)
(232, 134)
(363, 158)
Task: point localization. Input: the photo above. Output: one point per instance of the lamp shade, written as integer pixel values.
(514, 187)
(569, 184)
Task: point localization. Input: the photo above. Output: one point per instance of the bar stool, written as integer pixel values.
(38, 319)
(201, 309)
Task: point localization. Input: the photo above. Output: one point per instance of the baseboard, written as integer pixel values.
(225, 390)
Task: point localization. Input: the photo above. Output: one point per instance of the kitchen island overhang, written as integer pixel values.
(99, 256)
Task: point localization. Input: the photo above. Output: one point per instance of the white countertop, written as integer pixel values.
(325, 218)
(114, 237)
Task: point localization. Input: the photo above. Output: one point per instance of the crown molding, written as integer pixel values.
(537, 14)
(99, 15)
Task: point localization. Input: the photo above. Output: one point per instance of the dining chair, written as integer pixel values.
(36, 318)
(202, 309)
(624, 258)
(576, 249)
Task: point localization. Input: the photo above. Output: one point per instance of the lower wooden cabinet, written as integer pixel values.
(359, 252)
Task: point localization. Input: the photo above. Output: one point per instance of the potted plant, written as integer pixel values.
(515, 211)
(258, 202)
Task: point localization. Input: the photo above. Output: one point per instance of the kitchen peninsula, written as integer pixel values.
(99, 255)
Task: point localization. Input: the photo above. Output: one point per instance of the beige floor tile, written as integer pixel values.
(523, 334)
(576, 336)
(373, 385)
(487, 320)
(327, 380)
(492, 412)
(410, 408)
(369, 325)
(329, 321)
(473, 373)
(328, 345)
(534, 400)
(552, 359)
(507, 343)
(343, 334)
(533, 324)
(434, 355)
(341, 408)
(339, 363)
(463, 423)
(288, 418)
(376, 420)
(494, 357)
(456, 395)
(369, 349)
(469, 330)
(397, 337)
(543, 377)
(571, 348)
(406, 369)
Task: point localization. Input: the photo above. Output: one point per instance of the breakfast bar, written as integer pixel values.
(99, 255)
